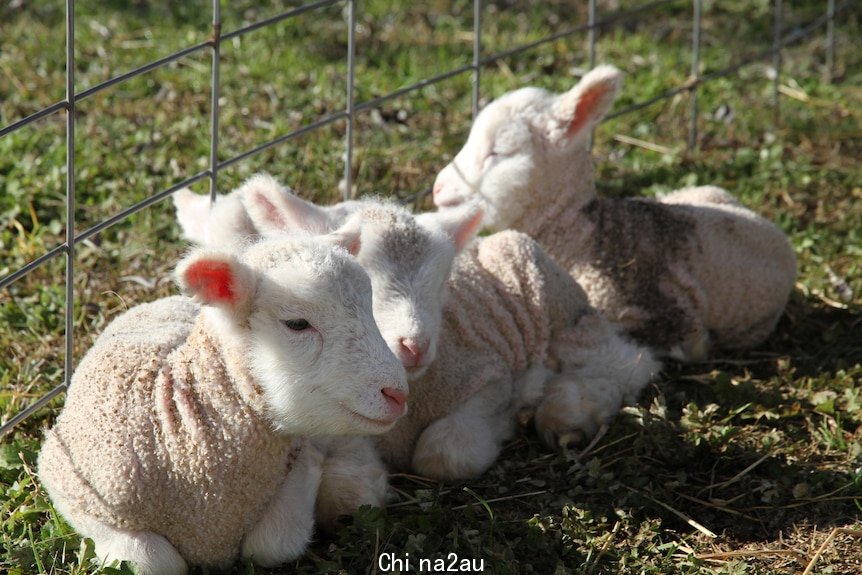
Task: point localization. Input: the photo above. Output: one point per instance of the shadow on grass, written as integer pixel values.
(737, 448)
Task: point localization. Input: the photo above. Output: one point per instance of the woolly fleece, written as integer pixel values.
(186, 461)
(511, 309)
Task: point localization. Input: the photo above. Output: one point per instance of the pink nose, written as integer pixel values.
(438, 187)
(412, 352)
(395, 398)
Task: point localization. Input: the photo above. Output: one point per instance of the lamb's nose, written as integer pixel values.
(395, 397)
(438, 187)
(412, 351)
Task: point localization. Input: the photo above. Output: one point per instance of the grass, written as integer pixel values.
(751, 463)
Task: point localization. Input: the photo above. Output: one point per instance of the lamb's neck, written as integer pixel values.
(555, 217)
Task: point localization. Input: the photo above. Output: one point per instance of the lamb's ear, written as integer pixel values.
(275, 209)
(216, 279)
(575, 112)
(349, 235)
(193, 212)
(461, 224)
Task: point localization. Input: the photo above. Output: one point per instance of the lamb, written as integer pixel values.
(183, 437)
(686, 275)
(517, 333)
(514, 322)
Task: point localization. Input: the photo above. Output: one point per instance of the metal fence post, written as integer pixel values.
(70, 191)
(694, 79)
(477, 53)
(347, 193)
(778, 25)
(830, 39)
(591, 41)
(214, 106)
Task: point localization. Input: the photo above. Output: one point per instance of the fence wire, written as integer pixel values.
(593, 27)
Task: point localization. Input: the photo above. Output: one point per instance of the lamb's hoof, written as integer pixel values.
(572, 439)
(526, 415)
(390, 497)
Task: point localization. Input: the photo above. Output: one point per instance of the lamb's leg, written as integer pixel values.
(695, 347)
(287, 524)
(467, 441)
(353, 475)
(601, 371)
(150, 553)
(530, 392)
(700, 195)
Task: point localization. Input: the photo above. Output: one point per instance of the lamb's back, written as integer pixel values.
(659, 269)
(153, 438)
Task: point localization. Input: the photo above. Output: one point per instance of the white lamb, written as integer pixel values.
(517, 333)
(181, 440)
(514, 321)
(687, 274)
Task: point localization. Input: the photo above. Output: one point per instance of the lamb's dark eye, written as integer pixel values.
(296, 324)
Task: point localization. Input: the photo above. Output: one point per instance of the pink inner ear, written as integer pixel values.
(468, 229)
(584, 109)
(273, 214)
(213, 281)
(354, 245)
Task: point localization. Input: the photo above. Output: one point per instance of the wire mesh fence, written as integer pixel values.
(601, 18)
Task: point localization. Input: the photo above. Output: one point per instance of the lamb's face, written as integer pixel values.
(409, 265)
(501, 161)
(315, 348)
(527, 148)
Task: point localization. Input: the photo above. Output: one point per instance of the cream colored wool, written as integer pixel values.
(688, 273)
(680, 277)
(186, 462)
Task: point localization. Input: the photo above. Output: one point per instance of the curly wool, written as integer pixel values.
(508, 301)
(186, 461)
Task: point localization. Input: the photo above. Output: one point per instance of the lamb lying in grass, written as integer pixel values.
(517, 333)
(684, 275)
(514, 321)
(181, 441)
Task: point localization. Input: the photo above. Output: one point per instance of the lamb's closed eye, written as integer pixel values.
(296, 324)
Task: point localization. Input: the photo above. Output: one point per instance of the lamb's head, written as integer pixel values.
(408, 258)
(524, 146)
(299, 309)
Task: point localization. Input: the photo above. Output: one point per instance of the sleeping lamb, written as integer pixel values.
(513, 322)
(689, 273)
(181, 440)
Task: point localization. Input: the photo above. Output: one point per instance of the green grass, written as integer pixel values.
(751, 463)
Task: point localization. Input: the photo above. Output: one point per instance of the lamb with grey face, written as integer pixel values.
(687, 274)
